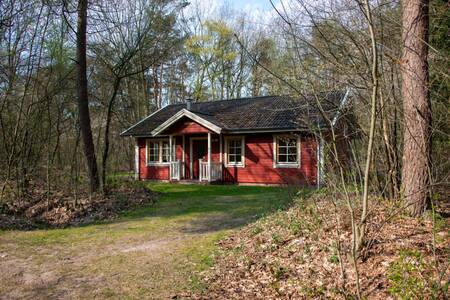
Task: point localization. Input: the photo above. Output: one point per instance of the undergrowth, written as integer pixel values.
(304, 252)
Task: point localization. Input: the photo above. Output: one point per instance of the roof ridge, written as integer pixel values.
(233, 99)
(261, 97)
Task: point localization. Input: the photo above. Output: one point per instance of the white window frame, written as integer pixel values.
(234, 164)
(277, 164)
(160, 151)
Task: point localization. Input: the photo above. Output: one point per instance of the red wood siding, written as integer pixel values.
(259, 163)
(186, 126)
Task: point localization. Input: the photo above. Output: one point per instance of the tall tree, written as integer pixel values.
(416, 106)
(83, 102)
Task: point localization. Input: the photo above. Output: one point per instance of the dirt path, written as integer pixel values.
(150, 253)
(99, 269)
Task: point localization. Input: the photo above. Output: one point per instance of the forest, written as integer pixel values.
(74, 74)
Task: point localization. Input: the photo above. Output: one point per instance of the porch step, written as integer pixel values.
(190, 181)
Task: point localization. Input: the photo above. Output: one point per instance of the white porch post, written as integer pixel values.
(171, 171)
(183, 158)
(136, 160)
(320, 162)
(221, 158)
(209, 156)
(170, 147)
(220, 146)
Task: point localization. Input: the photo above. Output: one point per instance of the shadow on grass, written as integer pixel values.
(202, 208)
(213, 207)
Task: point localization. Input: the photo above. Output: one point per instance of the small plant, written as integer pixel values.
(312, 292)
(295, 227)
(276, 239)
(256, 230)
(278, 271)
(333, 258)
(307, 249)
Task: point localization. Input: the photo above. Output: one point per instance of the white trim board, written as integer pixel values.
(186, 113)
(341, 107)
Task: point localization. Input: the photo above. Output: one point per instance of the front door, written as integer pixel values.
(199, 151)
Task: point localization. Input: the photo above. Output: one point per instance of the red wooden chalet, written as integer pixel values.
(258, 140)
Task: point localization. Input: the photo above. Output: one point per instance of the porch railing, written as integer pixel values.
(175, 170)
(215, 173)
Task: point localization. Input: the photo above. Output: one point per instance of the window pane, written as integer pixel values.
(287, 150)
(292, 158)
(153, 155)
(234, 150)
(165, 151)
(292, 150)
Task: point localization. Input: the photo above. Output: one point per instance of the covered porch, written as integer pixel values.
(196, 157)
(189, 146)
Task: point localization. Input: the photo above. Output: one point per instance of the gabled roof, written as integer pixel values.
(268, 113)
(184, 113)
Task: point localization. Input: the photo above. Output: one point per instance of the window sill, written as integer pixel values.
(158, 164)
(234, 166)
(292, 166)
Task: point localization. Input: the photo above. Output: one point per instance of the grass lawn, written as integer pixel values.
(151, 252)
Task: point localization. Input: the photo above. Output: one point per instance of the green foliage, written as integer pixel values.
(410, 277)
(214, 55)
(334, 259)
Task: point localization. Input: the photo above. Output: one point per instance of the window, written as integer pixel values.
(286, 151)
(153, 152)
(235, 151)
(158, 151)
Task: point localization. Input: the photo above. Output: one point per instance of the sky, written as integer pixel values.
(256, 10)
(247, 5)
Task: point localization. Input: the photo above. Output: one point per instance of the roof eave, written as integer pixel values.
(125, 132)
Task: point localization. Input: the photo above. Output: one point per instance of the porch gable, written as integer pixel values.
(185, 126)
(186, 114)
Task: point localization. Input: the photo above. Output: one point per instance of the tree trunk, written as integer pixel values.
(106, 137)
(416, 106)
(83, 103)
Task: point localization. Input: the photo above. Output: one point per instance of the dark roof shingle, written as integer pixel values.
(256, 113)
